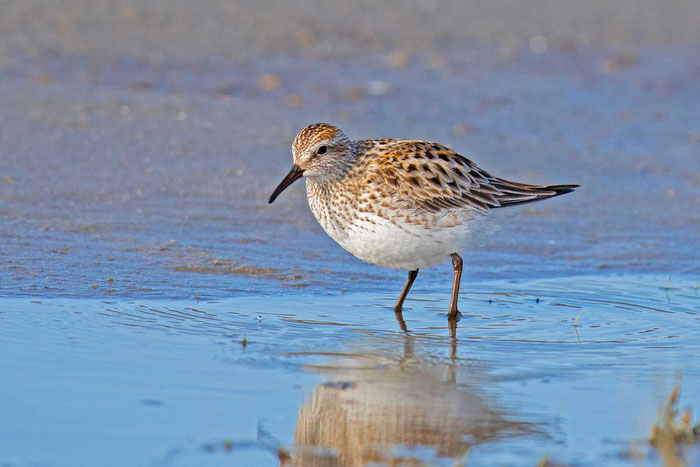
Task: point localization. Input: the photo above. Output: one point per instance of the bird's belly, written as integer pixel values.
(378, 241)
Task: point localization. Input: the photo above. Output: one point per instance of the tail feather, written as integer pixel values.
(519, 193)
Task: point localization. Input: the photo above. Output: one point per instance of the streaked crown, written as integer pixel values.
(317, 133)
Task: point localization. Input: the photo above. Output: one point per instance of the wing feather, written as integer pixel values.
(436, 179)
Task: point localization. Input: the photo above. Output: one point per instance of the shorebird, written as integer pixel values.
(398, 203)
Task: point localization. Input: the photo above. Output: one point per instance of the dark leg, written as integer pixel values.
(457, 265)
(407, 286)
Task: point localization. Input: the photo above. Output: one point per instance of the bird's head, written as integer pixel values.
(321, 153)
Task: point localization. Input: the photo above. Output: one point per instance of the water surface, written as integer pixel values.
(318, 381)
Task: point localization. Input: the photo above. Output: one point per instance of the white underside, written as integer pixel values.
(392, 247)
(409, 246)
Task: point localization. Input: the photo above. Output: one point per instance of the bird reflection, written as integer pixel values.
(378, 413)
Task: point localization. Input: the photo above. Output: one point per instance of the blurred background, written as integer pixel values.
(116, 29)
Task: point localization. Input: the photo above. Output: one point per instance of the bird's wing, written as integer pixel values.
(437, 179)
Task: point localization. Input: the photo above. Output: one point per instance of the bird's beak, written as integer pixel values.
(293, 175)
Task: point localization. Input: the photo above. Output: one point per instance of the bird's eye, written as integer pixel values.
(321, 150)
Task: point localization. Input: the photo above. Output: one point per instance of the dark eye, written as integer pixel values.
(322, 150)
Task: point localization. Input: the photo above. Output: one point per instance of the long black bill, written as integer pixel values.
(293, 175)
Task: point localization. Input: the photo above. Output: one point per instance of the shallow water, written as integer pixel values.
(324, 381)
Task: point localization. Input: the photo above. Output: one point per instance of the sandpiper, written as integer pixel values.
(401, 204)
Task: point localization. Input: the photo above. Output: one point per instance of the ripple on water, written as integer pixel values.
(558, 365)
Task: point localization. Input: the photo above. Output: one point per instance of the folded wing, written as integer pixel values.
(436, 179)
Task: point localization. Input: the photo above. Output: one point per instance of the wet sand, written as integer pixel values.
(143, 186)
(139, 142)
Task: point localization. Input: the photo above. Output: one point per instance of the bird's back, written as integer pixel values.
(436, 179)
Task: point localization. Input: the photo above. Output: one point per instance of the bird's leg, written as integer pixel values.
(457, 265)
(407, 286)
